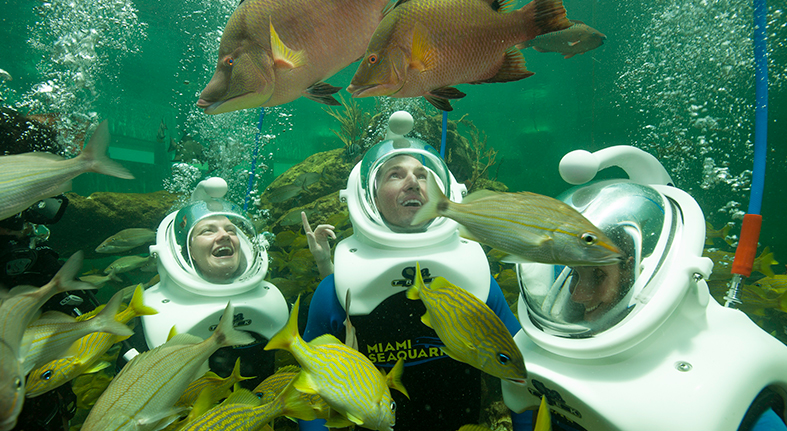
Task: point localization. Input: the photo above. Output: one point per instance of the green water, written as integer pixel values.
(674, 77)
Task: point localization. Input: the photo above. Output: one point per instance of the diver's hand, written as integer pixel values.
(319, 246)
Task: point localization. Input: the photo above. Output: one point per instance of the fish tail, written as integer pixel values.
(95, 152)
(65, 279)
(137, 304)
(418, 283)
(394, 378)
(235, 376)
(295, 405)
(284, 338)
(226, 334)
(435, 206)
(106, 318)
(544, 16)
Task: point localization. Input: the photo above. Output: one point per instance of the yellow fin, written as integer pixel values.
(423, 56)
(418, 284)
(544, 418)
(172, 333)
(284, 338)
(303, 382)
(325, 339)
(282, 55)
(394, 378)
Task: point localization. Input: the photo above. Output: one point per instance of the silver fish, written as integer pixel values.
(27, 178)
(528, 226)
(577, 39)
(141, 397)
(16, 312)
(126, 240)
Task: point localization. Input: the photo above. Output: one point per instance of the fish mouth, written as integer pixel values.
(221, 106)
(371, 90)
(517, 381)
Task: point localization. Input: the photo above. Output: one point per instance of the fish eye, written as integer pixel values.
(229, 61)
(503, 358)
(17, 383)
(372, 59)
(588, 238)
(46, 375)
(393, 406)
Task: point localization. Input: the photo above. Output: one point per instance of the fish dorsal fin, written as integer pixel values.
(423, 55)
(390, 6)
(576, 21)
(53, 316)
(184, 339)
(288, 369)
(283, 56)
(503, 6)
(399, 3)
(325, 339)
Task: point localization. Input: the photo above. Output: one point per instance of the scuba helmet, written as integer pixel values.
(173, 244)
(591, 312)
(361, 192)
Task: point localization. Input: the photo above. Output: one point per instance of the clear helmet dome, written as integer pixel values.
(582, 302)
(186, 258)
(362, 194)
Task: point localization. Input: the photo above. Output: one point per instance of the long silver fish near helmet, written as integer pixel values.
(528, 226)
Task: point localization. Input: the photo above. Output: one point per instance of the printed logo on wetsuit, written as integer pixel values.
(237, 320)
(409, 277)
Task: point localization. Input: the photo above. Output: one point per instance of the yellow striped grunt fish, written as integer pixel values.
(143, 394)
(54, 332)
(272, 386)
(81, 357)
(16, 312)
(346, 379)
(243, 411)
(528, 226)
(471, 331)
(220, 386)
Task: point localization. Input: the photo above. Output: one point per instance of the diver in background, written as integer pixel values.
(209, 253)
(600, 340)
(375, 267)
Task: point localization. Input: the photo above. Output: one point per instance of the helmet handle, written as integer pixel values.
(580, 166)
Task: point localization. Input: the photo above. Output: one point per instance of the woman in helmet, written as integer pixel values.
(209, 253)
(374, 268)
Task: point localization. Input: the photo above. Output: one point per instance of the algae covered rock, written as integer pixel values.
(90, 220)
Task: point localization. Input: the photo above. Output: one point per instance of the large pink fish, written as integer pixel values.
(423, 47)
(275, 51)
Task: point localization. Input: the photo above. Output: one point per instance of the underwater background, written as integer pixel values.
(673, 77)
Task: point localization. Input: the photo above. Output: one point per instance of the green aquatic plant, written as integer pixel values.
(354, 123)
(481, 158)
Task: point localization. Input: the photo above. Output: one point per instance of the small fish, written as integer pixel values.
(100, 280)
(722, 234)
(187, 150)
(424, 47)
(471, 331)
(16, 312)
(346, 379)
(722, 263)
(161, 134)
(128, 263)
(283, 193)
(544, 417)
(528, 226)
(142, 396)
(28, 178)
(275, 51)
(272, 386)
(350, 339)
(577, 39)
(54, 332)
(126, 240)
(81, 357)
(243, 411)
(220, 386)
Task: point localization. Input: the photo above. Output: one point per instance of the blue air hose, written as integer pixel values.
(746, 251)
(254, 160)
(443, 137)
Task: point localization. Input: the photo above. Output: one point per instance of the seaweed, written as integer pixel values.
(354, 124)
(482, 158)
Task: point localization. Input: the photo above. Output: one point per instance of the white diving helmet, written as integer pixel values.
(192, 304)
(173, 246)
(612, 308)
(361, 190)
